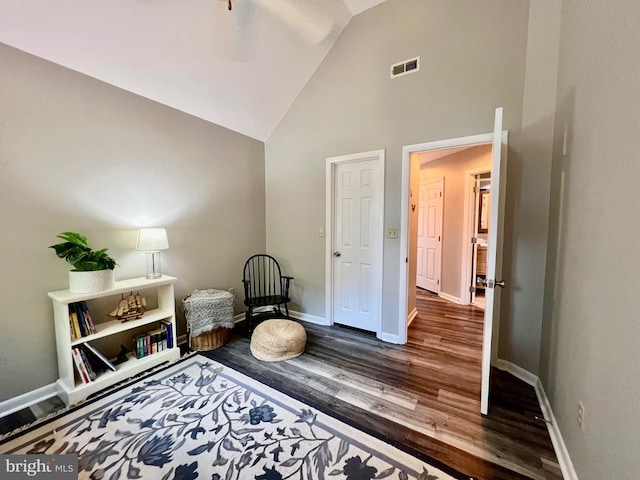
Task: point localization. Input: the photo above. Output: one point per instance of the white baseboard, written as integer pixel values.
(517, 371)
(388, 337)
(566, 465)
(305, 317)
(412, 316)
(451, 298)
(27, 399)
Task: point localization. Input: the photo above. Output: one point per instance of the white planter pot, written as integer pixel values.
(89, 282)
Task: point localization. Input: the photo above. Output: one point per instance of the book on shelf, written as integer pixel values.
(88, 320)
(80, 366)
(71, 329)
(73, 316)
(80, 320)
(139, 346)
(168, 326)
(151, 342)
(98, 357)
(87, 364)
(158, 339)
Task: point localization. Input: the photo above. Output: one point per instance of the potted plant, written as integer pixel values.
(92, 270)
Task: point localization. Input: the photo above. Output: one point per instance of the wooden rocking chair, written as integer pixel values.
(264, 286)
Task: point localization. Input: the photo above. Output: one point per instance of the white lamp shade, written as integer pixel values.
(152, 239)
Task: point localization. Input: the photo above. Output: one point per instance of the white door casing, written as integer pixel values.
(429, 255)
(499, 140)
(355, 232)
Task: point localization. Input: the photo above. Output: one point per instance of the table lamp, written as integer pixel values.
(151, 241)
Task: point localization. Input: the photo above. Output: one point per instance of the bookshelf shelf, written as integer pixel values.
(112, 327)
(72, 391)
(133, 366)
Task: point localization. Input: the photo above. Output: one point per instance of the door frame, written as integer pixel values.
(407, 150)
(331, 164)
(468, 229)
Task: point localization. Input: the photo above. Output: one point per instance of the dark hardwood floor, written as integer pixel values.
(423, 396)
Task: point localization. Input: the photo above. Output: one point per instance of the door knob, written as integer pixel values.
(495, 283)
(336, 254)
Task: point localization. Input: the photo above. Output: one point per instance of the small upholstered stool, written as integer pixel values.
(278, 339)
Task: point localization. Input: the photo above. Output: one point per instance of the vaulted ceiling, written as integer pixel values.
(241, 69)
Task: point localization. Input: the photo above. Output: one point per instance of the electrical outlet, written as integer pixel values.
(232, 291)
(581, 416)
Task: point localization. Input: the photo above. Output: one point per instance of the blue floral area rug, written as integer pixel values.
(200, 419)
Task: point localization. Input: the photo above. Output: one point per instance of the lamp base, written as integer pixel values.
(153, 265)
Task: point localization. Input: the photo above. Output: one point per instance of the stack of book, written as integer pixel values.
(89, 361)
(154, 341)
(80, 321)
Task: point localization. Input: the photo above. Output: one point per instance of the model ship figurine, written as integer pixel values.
(130, 308)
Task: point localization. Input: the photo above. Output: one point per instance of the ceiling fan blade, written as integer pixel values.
(239, 33)
(310, 22)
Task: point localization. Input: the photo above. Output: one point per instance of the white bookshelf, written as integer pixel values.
(73, 391)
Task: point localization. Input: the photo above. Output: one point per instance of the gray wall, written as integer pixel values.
(77, 154)
(529, 184)
(591, 324)
(473, 57)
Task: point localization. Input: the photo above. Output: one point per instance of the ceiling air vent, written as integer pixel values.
(403, 68)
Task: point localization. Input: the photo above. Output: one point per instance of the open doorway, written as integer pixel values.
(499, 141)
(479, 238)
(448, 238)
(445, 246)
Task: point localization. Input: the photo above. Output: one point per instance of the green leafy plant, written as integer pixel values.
(75, 250)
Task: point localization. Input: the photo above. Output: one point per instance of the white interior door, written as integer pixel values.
(357, 244)
(494, 258)
(430, 201)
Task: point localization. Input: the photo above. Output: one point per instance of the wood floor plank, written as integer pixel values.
(459, 401)
(422, 396)
(370, 386)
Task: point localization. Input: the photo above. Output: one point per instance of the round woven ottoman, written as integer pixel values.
(278, 339)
